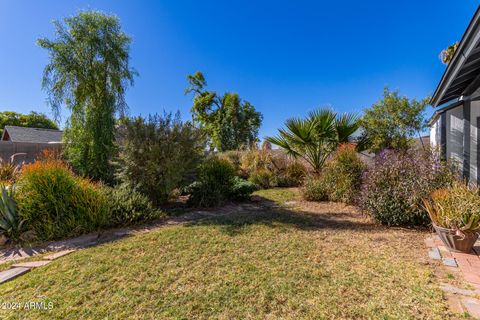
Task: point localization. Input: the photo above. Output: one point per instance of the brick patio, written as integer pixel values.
(468, 265)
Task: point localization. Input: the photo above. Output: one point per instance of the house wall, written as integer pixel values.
(474, 150)
(454, 150)
(435, 133)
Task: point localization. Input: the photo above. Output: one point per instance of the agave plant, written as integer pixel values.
(10, 221)
(456, 208)
(316, 137)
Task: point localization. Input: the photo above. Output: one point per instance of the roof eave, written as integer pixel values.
(465, 46)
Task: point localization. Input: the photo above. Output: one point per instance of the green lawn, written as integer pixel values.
(265, 263)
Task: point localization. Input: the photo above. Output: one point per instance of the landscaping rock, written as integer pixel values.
(11, 274)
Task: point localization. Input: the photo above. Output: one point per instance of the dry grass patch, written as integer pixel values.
(265, 263)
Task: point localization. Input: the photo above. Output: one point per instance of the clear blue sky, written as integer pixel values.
(285, 57)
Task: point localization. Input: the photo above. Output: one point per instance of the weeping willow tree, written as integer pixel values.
(88, 73)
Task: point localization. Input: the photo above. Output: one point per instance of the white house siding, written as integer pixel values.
(474, 114)
(435, 133)
(455, 136)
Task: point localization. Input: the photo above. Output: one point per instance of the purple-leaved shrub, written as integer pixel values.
(393, 188)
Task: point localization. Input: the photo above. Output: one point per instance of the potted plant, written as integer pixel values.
(455, 215)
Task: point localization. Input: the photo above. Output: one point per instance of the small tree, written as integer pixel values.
(158, 154)
(392, 122)
(31, 120)
(229, 122)
(88, 73)
(317, 136)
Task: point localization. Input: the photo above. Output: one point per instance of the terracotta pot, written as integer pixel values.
(456, 242)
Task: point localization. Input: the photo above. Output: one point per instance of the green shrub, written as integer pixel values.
(293, 176)
(393, 189)
(242, 189)
(128, 206)
(254, 160)
(55, 203)
(158, 155)
(315, 189)
(10, 220)
(263, 178)
(235, 159)
(340, 180)
(214, 182)
(343, 175)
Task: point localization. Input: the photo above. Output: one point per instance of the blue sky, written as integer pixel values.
(285, 57)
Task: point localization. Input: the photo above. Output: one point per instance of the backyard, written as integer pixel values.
(239, 204)
(279, 257)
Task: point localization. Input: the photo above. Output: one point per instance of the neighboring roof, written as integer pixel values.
(32, 135)
(461, 77)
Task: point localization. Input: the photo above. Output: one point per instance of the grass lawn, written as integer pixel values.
(317, 261)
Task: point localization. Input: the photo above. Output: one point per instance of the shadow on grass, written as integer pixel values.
(269, 213)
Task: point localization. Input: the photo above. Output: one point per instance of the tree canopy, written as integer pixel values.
(317, 136)
(31, 120)
(229, 122)
(447, 54)
(88, 73)
(392, 122)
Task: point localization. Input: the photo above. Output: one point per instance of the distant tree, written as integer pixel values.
(89, 73)
(229, 122)
(31, 120)
(317, 136)
(266, 145)
(392, 122)
(447, 54)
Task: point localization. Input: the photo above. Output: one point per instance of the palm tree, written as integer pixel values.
(316, 137)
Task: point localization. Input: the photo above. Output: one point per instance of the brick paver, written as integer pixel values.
(468, 265)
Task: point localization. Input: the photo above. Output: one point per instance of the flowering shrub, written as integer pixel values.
(55, 203)
(394, 187)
